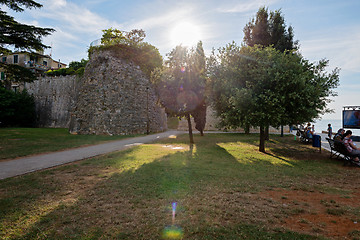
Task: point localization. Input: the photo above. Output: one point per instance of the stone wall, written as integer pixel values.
(54, 99)
(114, 97)
(212, 120)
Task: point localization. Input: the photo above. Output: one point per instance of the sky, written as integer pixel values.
(327, 29)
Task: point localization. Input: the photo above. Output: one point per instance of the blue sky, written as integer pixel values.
(325, 29)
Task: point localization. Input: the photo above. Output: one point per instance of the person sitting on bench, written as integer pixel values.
(309, 132)
(339, 135)
(350, 146)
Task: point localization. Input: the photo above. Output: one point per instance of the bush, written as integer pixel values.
(74, 68)
(16, 109)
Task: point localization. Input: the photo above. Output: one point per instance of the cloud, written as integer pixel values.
(166, 19)
(340, 46)
(246, 6)
(73, 17)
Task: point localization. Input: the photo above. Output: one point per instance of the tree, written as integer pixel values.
(198, 67)
(20, 36)
(17, 109)
(269, 29)
(180, 85)
(259, 86)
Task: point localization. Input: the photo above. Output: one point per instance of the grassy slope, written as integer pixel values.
(18, 142)
(128, 194)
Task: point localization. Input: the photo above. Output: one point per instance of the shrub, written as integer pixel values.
(17, 109)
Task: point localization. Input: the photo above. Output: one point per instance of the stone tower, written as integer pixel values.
(115, 98)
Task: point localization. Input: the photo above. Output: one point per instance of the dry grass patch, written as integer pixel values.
(224, 189)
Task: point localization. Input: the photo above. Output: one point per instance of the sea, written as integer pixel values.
(322, 125)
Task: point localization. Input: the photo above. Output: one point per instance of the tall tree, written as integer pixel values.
(180, 85)
(20, 36)
(198, 67)
(269, 29)
(259, 86)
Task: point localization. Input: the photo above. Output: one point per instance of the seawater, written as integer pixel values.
(322, 125)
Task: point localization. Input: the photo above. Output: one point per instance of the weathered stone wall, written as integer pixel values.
(212, 121)
(54, 99)
(114, 97)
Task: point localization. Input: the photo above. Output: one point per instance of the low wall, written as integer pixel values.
(212, 120)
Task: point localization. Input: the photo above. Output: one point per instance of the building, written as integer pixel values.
(38, 63)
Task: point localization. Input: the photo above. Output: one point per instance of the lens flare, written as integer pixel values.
(173, 232)
(174, 204)
(185, 33)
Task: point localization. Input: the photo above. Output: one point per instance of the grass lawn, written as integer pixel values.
(223, 189)
(18, 142)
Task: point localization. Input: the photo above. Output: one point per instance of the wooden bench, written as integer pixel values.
(338, 150)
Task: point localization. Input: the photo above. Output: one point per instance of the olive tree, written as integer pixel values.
(261, 86)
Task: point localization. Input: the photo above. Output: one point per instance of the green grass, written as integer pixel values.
(217, 184)
(18, 142)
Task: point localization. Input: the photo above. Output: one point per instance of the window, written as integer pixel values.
(3, 59)
(45, 63)
(16, 58)
(2, 76)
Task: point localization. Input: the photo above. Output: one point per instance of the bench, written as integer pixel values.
(338, 150)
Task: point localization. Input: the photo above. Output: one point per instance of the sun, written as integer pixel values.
(185, 33)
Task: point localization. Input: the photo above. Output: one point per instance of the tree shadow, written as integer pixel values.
(135, 203)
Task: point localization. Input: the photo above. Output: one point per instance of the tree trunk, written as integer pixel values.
(282, 131)
(190, 129)
(262, 140)
(247, 129)
(267, 133)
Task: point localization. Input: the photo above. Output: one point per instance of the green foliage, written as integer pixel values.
(16, 109)
(261, 87)
(21, 36)
(269, 29)
(114, 37)
(14, 73)
(130, 46)
(181, 84)
(74, 68)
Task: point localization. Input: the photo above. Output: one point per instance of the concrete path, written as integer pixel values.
(24, 165)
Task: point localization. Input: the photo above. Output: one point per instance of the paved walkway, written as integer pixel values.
(24, 165)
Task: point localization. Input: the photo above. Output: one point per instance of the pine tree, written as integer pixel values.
(269, 29)
(198, 70)
(19, 36)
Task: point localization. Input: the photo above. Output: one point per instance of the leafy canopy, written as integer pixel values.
(180, 85)
(261, 87)
(269, 29)
(73, 68)
(130, 46)
(20, 36)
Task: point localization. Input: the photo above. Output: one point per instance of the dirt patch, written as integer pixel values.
(332, 215)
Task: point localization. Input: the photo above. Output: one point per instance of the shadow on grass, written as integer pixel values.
(128, 194)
